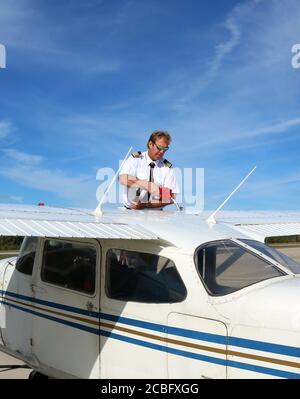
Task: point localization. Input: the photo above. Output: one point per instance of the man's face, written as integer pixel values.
(155, 151)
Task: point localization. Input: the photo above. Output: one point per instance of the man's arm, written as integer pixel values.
(131, 181)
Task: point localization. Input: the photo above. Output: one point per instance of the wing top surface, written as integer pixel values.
(60, 222)
(261, 231)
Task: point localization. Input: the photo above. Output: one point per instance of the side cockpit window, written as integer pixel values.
(226, 267)
(142, 277)
(70, 265)
(27, 254)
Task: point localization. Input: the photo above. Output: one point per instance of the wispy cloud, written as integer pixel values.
(233, 28)
(273, 129)
(6, 128)
(77, 190)
(23, 157)
(281, 191)
(102, 134)
(275, 188)
(27, 28)
(225, 48)
(233, 25)
(25, 169)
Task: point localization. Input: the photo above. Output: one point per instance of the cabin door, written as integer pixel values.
(16, 318)
(66, 321)
(196, 347)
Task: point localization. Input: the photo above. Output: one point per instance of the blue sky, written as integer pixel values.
(85, 79)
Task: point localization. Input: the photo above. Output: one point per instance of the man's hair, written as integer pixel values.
(157, 134)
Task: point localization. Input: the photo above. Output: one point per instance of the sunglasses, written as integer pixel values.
(160, 147)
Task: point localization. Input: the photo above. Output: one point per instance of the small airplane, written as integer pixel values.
(150, 294)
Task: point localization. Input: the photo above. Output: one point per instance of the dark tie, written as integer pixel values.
(152, 165)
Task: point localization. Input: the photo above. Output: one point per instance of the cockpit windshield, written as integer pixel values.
(226, 267)
(273, 253)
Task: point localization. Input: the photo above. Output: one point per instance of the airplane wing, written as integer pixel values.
(260, 225)
(44, 221)
(261, 231)
(60, 222)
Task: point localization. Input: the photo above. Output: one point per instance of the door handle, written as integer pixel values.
(89, 305)
(36, 289)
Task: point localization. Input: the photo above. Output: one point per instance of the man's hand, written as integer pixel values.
(153, 190)
(131, 181)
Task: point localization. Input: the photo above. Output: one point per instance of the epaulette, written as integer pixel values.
(136, 154)
(167, 163)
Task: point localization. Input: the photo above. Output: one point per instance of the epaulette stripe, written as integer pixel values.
(167, 163)
(136, 154)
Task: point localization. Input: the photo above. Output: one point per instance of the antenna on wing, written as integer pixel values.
(98, 211)
(211, 219)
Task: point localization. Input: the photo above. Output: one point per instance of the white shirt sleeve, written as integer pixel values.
(171, 182)
(129, 167)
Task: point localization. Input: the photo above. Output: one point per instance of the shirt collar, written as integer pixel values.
(149, 160)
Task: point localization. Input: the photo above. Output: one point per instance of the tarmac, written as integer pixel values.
(292, 251)
(23, 373)
(9, 373)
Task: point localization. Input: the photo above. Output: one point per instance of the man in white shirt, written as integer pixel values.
(144, 173)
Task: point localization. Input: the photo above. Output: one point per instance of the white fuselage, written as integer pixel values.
(65, 332)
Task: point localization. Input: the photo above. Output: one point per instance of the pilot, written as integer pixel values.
(143, 173)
